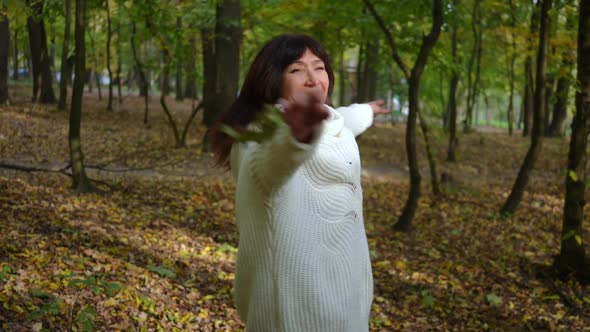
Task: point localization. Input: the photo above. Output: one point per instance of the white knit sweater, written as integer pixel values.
(303, 259)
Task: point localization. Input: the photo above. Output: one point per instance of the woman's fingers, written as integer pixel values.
(377, 106)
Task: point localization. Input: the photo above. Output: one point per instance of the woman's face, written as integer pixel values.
(307, 73)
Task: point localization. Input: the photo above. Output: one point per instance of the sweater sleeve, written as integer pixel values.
(271, 162)
(357, 117)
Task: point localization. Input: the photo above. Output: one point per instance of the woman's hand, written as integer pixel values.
(303, 112)
(377, 106)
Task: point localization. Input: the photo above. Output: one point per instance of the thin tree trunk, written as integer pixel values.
(15, 58)
(452, 108)
(429, 155)
(522, 179)
(179, 58)
(139, 67)
(510, 112)
(97, 76)
(108, 55)
(342, 80)
(368, 87)
(548, 97)
(529, 73)
(209, 72)
(66, 69)
(413, 78)
(473, 61)
(4, 51)
(119, 61)
(360, 75)
(80, 181)
(557, 126)
(39, 54)
(572, 257)
(189, 86)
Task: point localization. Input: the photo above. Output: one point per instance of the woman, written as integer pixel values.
(303, 260)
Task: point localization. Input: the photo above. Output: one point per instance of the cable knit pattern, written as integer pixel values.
(303, 259)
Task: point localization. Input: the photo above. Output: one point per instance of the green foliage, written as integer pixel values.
(6, 269)
(263, 127)
(162, 270)
(85, 319)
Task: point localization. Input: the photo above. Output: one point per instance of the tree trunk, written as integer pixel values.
(367, 88)
(15, 62)
(66, 69)
(80, 181)
(549, 83)
(227, 40)
(97, 76)
(429, 155)
(144, 83)
(452, 108)
(40, 55)
(209, 73)
(360, 75)
(119, 61)
(4, 51)
(572, 257)
(557, 126)
(474, 60)
(413, 78)
(510, 112)
(108, 55)
(342, 80)
(179, 58)
(190, 89)
(529, 74)
(522, 179)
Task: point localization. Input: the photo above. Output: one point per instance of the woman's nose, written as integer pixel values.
(312, 80)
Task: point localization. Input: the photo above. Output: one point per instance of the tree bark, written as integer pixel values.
(413, 78)
(452, 108)
(119, 61)
(572, 257)
(209, 73)
(80, 181)
(368, 83)
(529, 99)
(228, 35)
(190, 89)
(549, 83)
(15, 61)
(475, 60)
(179, 58)
(66, 68)
(342, 80)
(510, 111)
(40, 55)
(522, 179)
(108, 55)
(557, 126)
(139, 66)
(4, 51)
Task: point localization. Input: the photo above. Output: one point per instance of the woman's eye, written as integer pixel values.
(293, 70)
(320, 68)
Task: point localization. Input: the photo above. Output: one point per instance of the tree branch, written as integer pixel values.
(390, 39)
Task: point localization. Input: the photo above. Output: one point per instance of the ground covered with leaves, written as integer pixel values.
(155, 249)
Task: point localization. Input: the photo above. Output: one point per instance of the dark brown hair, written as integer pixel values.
(262, 85)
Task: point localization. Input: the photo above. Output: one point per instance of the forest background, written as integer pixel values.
(113, 218)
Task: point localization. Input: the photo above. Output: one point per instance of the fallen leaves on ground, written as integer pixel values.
(157, 252)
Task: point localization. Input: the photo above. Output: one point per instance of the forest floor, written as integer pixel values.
(156, 251)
